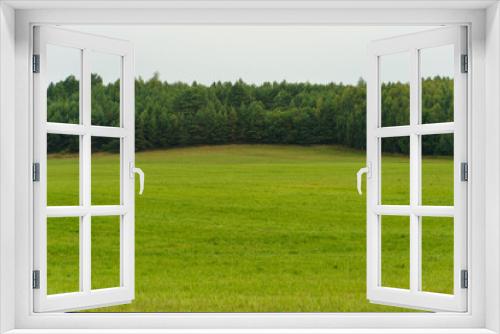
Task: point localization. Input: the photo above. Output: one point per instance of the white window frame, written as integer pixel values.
(85, 297)
(414, 210)
(16, 242)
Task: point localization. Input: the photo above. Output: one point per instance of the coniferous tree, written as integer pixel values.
(179, 114)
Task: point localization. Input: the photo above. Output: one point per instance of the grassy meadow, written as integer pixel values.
(250, 228)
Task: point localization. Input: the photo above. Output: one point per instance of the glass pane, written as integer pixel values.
(395, 89)
(105, 87)
(105, 171)
(436, 70)
(63, 92)
(63, 255)
(395, 173)
(437, 170)
(63, 170)
(395, 251)
(105, 252)
(437, 254)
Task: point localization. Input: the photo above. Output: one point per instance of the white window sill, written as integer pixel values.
(253, 331)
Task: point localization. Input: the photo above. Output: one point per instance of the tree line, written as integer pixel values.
(180, 114)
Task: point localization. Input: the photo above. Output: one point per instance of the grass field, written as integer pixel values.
(250, 228)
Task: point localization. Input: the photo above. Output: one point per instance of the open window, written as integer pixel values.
(79, 229)
(401, 215)
(84, 203)
(17, 21)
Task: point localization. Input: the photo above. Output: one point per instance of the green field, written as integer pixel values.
(250, 228)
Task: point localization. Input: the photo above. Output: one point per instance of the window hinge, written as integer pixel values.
(464, 171)
(36, 279)
(465, 64)
(36, 63)
(36, 172)
(464, 279)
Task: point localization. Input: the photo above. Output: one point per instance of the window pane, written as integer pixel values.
(105, 86)
(63, 170)
(437, 170)
(437, 254)
(436, 70)
(395, 171)
(395, 89)
(63, 255)
(105, 171)
(395, 251)
(63, 92)
(105, 252)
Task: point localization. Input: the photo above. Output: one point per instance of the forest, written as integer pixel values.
(179, 114)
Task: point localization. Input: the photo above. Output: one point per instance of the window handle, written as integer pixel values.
(134, 170)
(365, 170)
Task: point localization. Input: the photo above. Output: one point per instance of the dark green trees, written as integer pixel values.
(178, 114)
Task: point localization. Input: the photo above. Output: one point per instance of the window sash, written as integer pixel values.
(414, 297)
(86, 297)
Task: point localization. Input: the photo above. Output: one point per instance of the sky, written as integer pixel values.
(255, 54)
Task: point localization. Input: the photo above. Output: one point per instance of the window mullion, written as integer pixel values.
(85, 176)
(415, 160)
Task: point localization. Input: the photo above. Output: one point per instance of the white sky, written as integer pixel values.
(318, 54)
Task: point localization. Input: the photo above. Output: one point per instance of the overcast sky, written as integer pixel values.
(318, 54)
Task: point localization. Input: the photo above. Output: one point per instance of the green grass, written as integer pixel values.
(251, 228)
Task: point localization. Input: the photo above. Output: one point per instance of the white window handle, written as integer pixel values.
(134, 170)
(365, 170)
